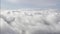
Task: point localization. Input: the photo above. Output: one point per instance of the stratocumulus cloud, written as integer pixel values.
(30, 21)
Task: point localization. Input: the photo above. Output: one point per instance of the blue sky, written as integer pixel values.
(18, 4)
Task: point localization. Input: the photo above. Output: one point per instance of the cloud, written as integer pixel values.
(43, 21)
(5, 28)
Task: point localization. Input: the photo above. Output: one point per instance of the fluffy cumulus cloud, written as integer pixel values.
(30, 21)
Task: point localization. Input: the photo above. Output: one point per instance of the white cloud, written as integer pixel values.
(46, 20)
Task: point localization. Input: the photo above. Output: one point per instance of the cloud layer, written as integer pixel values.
(32, 21)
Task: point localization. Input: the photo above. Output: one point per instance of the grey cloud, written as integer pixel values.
(6, 29)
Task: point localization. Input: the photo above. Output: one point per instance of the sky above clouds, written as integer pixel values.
(17, 4)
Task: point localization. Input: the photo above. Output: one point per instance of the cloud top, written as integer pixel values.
(32, 21)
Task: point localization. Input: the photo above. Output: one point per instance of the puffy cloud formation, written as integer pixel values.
(30, 21)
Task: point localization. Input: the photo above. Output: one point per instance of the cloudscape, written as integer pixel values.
(30, 17)
(30, 21)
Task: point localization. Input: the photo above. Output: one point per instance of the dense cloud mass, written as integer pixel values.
(30, 21)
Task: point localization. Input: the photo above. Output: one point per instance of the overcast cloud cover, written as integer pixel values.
(28, 21)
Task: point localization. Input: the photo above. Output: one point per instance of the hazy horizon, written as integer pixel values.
(32, 4)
